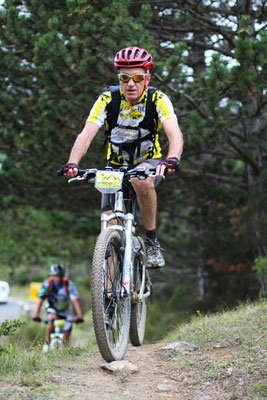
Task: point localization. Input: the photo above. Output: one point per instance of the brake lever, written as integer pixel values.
(76, 178)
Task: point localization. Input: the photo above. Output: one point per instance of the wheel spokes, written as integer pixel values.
(112, 280)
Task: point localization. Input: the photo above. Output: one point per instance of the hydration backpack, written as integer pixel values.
(50, 280)
(149, 122)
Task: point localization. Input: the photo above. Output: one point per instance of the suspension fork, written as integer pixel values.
(128, 248)
(119, 212)
(128, 256)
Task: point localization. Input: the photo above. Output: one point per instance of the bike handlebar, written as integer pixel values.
(46, 321)
(139, 172)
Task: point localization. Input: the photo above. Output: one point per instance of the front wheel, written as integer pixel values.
(138, 308)
(111, 310)
(56, 344)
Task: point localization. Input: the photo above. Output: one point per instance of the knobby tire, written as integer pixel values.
(138, 310)
(107, 302)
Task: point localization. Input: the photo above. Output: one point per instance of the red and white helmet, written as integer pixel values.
(134, 57)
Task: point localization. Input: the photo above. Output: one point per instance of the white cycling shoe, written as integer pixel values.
(154, 257)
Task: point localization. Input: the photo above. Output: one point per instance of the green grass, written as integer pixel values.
(231, 351)
(21, 353)
(244, 324)
(21, 356)
(27, 370)
(20, 292)
(228, 364)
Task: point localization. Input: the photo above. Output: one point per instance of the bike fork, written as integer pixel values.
(127, 260)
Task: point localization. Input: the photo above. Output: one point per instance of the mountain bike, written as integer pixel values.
(120, 283)
(56, 338)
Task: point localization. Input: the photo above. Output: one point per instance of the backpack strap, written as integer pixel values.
(67, 285)
(113, 109)
(149, 122)
(51, 283)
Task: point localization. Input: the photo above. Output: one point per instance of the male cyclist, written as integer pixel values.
(58, 291)
(134, 138)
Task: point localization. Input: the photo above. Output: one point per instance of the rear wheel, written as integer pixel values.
(138, 308)
(111, 310)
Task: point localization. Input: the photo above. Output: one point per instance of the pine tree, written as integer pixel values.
(210, 58)
(56, 57)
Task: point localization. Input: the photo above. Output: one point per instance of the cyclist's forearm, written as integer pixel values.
(176, 146)
(83, 142)
(78, 150)
(38, 307)
(78, 308)
(175, 138)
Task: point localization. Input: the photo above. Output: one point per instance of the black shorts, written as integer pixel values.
(105, 205)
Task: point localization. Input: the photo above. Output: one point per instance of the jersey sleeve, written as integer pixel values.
(43, 291)
(73, 291)
(98, 112)
(164, 106)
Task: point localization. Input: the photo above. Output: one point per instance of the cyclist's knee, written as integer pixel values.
(51, 317)
(143, 187)
(66, 337)
(113, 221)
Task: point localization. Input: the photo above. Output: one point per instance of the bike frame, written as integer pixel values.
(128, 231)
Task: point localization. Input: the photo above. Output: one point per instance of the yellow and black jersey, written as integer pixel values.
(129, 118)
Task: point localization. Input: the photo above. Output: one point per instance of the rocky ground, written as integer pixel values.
(153, 371)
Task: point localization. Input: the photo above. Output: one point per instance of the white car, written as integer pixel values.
(4, 292)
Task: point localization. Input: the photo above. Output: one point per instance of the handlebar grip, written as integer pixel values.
(67, 167)
(36, 319)
(79, 320)
(60, 172)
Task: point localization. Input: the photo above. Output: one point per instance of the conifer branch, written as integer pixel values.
(196, 106)
(245, 157)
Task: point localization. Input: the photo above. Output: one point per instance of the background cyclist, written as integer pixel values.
(131, 144)
(60, 293)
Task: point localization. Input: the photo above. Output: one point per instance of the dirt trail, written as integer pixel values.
(228, 363)
(190, 375)
(90, 381)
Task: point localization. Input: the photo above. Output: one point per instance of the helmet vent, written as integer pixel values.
(144, 55)
(134, 57)
(136, 53)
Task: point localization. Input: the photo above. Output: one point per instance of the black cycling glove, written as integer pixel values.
(63, 170)
(79, 320)
(36, 318)
(171, 162)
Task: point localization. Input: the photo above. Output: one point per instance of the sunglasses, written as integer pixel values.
(136, 78)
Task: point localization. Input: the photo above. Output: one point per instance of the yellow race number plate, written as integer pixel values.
(108, 181)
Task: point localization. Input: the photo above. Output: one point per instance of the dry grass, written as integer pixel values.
(231, 353)
(228, 364)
